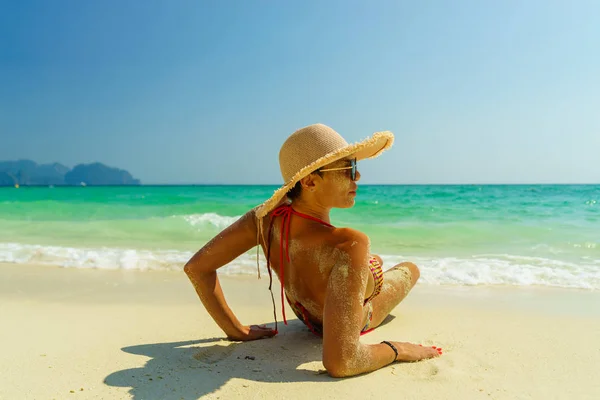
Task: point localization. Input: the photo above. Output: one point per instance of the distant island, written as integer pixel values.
(29, 173)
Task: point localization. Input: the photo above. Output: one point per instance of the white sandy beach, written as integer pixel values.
(99, 334)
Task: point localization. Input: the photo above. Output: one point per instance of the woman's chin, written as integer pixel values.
(349, 203)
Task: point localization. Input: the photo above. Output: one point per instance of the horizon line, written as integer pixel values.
(278, 185)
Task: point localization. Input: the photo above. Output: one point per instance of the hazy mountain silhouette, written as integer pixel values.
(27, 172)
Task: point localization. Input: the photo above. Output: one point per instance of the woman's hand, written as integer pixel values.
(252, 332)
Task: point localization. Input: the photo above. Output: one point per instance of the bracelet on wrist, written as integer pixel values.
(393, 348)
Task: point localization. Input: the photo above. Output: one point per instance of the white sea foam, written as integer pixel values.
(483, 269)
(216, 220)
(505, 269)
(113, 258)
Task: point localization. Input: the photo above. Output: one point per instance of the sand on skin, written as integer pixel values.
(145, 335)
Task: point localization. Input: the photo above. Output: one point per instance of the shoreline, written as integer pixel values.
(130, 275)
(145, 335)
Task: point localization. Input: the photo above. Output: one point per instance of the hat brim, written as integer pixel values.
(368, 148)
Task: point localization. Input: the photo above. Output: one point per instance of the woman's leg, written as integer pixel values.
(397, 282)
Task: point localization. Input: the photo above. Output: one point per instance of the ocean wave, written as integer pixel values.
(216, 220)
(482, 269)
(113, 258)
(505, 269)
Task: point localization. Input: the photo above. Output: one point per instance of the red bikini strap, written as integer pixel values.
(269, 270)
(310, 217)
(286, 211)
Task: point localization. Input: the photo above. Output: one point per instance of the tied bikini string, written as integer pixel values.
(286, 212)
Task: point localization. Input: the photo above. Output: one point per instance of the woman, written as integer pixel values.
(328, 275)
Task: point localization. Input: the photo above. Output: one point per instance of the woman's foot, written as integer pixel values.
(416, 352)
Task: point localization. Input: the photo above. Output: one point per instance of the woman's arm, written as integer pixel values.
(201, 269)
(343, 354)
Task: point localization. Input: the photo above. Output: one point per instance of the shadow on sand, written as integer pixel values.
(194, 368)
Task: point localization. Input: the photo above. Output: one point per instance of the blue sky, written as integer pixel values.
(206, 92)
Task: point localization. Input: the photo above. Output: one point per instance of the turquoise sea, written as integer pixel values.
(520, 235)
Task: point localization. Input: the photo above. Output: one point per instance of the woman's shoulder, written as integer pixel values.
(350, 234)
(351, 254)
(350, 241)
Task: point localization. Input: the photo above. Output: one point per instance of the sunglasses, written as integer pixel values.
(352, 167)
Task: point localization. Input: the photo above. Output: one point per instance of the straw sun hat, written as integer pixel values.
(313, 147)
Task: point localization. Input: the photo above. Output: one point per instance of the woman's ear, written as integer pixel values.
(308, 182)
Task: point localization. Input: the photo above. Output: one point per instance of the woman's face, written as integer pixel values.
(336, 188)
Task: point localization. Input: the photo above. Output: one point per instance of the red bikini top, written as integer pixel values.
(286, 211)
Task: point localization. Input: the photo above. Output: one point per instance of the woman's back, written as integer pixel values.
(314, 247)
